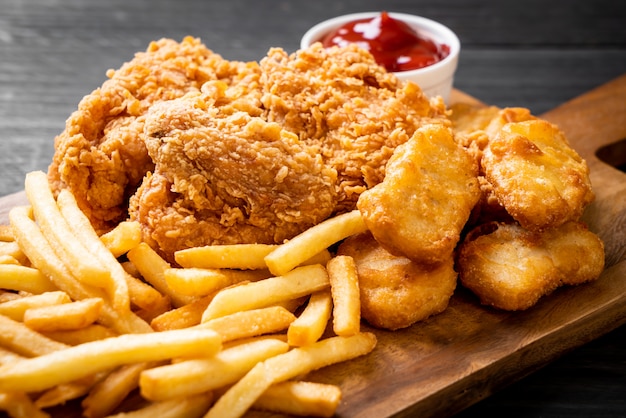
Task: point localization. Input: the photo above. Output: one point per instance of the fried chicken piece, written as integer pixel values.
(535, 174)
(261, 159)
(426, 198)
(100, 155)
(395, 291)
(346, 106)
(511, 268)
(223, 176)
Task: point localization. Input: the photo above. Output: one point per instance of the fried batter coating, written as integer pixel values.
(225, 177)
(295, 139)
(428, 193)
(100, 155)
(346, 106)
(511, 268)
(536, 176)
(395, 291)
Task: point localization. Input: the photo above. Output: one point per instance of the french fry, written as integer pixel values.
(194, 281)
(195, 376)
(19, 405)
(89, 333)
(8, 259)
(242, 395)
(21, 278)
(43, 372)
(184, 317)
(320, 258)
(63, 317)
(131, 269)
(302, 360)
(238, 256)
(149, 314)
(9, 296)
(299, 361)
(152, 267)
(250, 323)
(344, 287)
(145, 296)
(81, 227)
(58, 232)
(6, 233)
(222, 295)
(24, 341)
(119, 240)
(109, 393)
(306, 399)
(313, 241)
(11, 249)
(193, 406)
(8, 356)
(36, 247)
(60, 394)
(15, 309)
(292, 305)
(310, 325)
(299, 282)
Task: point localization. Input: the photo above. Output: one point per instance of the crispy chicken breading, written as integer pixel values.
(511, 268)
(100, 156)
(426, 198)
(227, 178)
(348, 108)
(261, 160)
(267, 148)
(395, 291)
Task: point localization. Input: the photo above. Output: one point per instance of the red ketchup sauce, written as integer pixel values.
(393, 43)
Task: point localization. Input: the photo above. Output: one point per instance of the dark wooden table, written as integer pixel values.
(531, 53)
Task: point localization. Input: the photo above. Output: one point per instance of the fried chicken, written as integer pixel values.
(511, 268)
(329, 118)
(100, 156)
(227, 178)
(396, 292)
(261, 160)
(342, 103)
(426, 198)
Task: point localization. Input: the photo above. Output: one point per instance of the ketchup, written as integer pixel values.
(393, 43)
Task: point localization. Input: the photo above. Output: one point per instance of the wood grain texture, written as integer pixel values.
(443, 365)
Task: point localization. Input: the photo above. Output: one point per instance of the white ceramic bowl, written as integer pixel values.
(434, 80)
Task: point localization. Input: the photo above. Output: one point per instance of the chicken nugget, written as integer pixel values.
(428, 193)
(511, 268)
(536, 176)
(395, 291)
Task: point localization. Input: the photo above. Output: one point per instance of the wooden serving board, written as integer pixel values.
(442, 365)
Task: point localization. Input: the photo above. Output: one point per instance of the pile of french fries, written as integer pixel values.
(231, 328)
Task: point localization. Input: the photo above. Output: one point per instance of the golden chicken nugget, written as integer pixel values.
(395, 291)
(536, 176)
(426, 198)
(511, 268)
